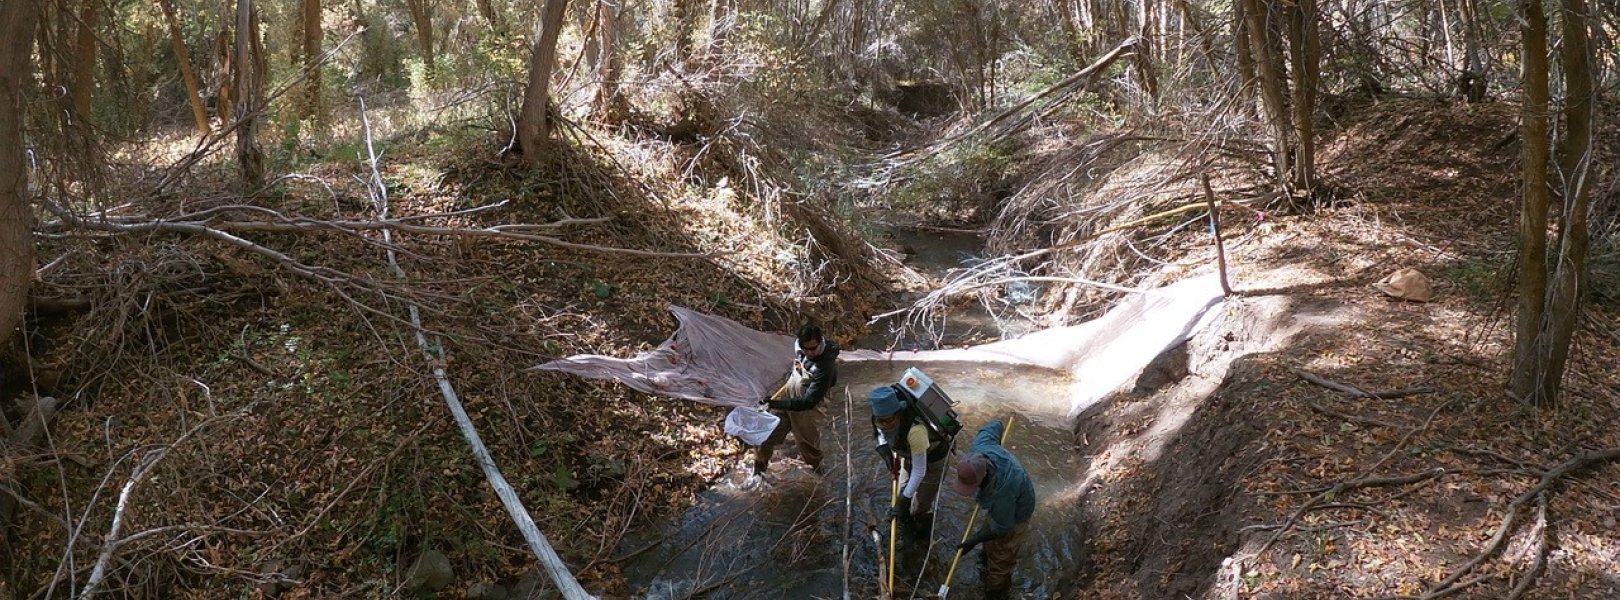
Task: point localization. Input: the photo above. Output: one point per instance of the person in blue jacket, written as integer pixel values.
(998, 482)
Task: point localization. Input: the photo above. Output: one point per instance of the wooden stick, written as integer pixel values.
(849, 481)
(1215, 227)
(894, 525)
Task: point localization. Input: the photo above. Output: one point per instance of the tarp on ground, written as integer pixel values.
(719, 361)
(709, 359)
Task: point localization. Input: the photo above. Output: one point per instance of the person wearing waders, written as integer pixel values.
(998, 482)
(911, 448)
(815, 372)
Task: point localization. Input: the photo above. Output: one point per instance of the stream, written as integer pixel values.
(789, 539)
(805, 536)
(937, 254)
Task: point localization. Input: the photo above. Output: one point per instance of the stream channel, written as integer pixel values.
(808, 536)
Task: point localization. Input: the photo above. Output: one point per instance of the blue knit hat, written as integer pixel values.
(884, 401)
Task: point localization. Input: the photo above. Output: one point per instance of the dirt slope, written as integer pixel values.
(1222, 483)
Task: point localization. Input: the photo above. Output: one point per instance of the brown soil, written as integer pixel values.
(1195, 480)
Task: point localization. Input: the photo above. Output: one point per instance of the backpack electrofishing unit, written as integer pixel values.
(918, 392)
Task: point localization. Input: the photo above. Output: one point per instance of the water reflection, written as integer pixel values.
(808, 537)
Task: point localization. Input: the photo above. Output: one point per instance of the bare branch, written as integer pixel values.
(1450, 585)
(1361, 393)
(113, 542)
(560, 576)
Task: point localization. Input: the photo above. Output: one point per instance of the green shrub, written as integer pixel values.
(1603, 271)
(962, 179)
(1477, 278)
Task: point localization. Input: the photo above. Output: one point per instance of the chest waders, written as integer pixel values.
(945, 588)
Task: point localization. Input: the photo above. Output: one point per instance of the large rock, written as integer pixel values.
(485, 590)
(431, 572)
(1165, 369)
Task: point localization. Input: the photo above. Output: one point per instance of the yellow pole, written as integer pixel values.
(894, 500)
(945, 588)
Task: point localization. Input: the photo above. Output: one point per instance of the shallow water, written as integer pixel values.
(939, 254)
(810, 537)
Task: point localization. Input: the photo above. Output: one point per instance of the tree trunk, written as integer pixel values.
(828, 8)
(1575, 149)
(193, 93)
(1071, 31)
(608, 105)
(1471, 81)
(1269, 65)
(84, 61)
(17, 34)
(534, 126)
(313, 34)
(1240, 42)
(1303, 52)
(1189, 19)
(223, 75)
(1147, 51)
(422, 17)
(1527, 359)
(47, 59)
(247, 68)
(486, 9)
(722, 18)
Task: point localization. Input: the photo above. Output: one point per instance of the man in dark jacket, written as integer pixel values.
(815, 368)
(1001, 486)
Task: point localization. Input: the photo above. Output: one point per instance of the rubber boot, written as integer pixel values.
(906, 524)
(757, 479)
(922, 525)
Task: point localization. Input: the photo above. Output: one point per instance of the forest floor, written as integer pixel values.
(306, 452)
(1301, 490)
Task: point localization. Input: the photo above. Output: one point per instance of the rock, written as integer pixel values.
(532, 585)
(431, 572)
(1167, 368)
(1406, 284)
(278, 578)
(485, 590)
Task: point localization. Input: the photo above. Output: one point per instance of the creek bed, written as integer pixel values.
(789, 539)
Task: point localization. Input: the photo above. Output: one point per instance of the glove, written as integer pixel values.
(775, 404)
(901, 509)
(764, 404)
(888, 459)
(973, 541)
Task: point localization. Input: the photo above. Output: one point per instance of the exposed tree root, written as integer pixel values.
(1319, 501)
(1361, 393)
(1453, 583)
